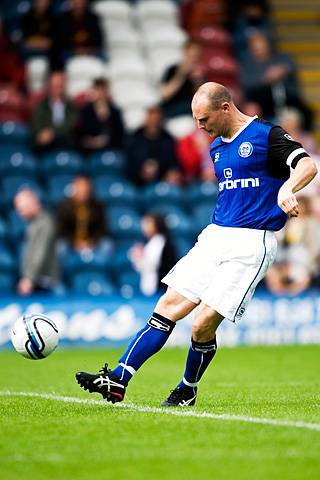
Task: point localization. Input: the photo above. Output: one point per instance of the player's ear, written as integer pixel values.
(225, 107)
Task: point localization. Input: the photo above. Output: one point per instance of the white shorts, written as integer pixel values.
(223, 268)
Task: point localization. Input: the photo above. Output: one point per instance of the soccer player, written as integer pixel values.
(259, 168)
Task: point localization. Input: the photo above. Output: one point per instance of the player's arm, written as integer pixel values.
(304, 172)
(287, 159)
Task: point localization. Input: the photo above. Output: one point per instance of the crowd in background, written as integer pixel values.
(92, 122)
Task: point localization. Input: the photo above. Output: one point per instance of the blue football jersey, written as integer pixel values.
(250, 168)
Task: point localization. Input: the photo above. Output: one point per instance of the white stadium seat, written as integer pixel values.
(37, 72)
(134, 118)
(81, 71)
(180, 126)
(172, 37)
(130, 94)
(148, 9)
(85, 66)
(113, 10)
(129, 67)
(162, 58)
(123, 36)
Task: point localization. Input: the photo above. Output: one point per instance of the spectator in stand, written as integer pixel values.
(194, 159)
(252, 17)
(78, 32)
(298, 255)
(180, 82)
(156, 258)
(37, 27)
(291, 120)
(81, 219)
(269, 78)
(39, 268)
(54, 118)
(12, 71)
(152, 152)
(100, 122)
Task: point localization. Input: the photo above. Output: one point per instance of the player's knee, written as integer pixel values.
(205, 324)
(174, 306)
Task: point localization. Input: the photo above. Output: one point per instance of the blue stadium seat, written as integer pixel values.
(202, 216)
(110, 162)
(7, 261)
(8, 149)
(115, 191)
(88, 260)
(129, 283)
(124, 223)
(182, 246)
(160, 193)
(18, 163)
(11, 185)
(14, 132)
(202, 192)
(4, 231)
(94, 284)
(7, 283)
(62, 162)
(121, 258)
(168, 208)
(179, 225)
(59, 188)
(17, 227)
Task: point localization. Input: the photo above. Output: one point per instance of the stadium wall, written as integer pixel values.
(112, 321)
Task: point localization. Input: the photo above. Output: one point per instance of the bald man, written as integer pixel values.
(259, 168)
(39, 269)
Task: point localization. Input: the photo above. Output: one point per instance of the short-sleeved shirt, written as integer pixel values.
(250, 168)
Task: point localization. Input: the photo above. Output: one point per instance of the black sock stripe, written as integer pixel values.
(160, 322)
(204, 346)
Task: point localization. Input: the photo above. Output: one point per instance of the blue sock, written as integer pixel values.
(149, 340)
(199, 357)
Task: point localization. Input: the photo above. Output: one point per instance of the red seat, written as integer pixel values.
(213, 37)
(12, 105)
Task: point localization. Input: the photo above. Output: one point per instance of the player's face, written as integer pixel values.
(214, 122)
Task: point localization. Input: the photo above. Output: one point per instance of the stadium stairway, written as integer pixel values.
(297, 27)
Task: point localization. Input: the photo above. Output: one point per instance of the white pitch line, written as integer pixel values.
(166, 411)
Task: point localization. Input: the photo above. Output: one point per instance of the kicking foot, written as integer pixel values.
(106, 383)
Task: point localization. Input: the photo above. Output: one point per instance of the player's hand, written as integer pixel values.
(25, 286)
(288, 203)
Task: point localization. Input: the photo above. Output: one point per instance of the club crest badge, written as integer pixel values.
(245, 149)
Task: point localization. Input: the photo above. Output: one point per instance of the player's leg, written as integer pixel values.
(201, 352)
(170, 308)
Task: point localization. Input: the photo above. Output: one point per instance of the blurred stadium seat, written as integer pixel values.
(7, 261)
(59, 187)
(94, 284)
(14, 132)
(11, 185)
(128, 282)
(37, 71)
(124, 222)
(19, 163)
(202, 216)
(58, 162)
(17, 228)
(7, 283)
(117, 192)
(202, 192)
(109, 162)
(162, 193)
(81, 71)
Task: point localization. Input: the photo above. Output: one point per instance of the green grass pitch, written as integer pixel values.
(46, 438)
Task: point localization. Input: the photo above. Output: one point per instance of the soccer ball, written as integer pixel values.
(34, 336)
